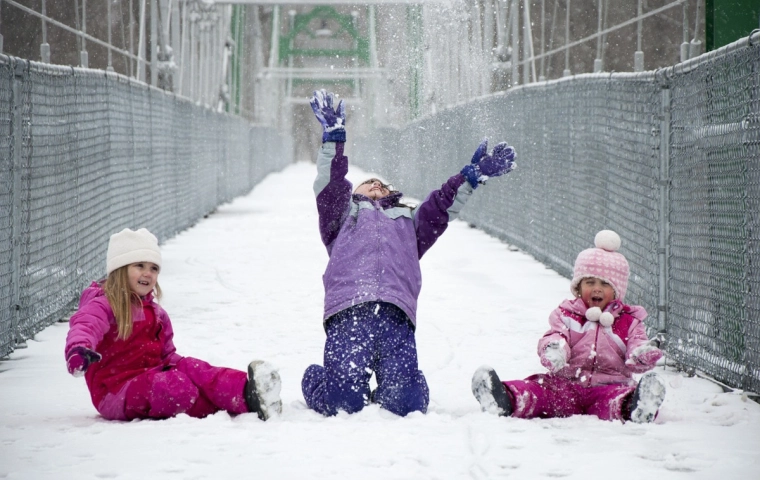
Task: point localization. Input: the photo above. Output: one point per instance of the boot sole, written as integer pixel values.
(490, 392)
(266, 384)
(651, 394)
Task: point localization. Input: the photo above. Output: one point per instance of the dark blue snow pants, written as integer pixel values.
(371, 337)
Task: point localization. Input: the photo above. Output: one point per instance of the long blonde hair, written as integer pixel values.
(123, 300)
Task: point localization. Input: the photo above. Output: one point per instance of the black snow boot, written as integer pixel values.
(490, 392)
(646, 399)
(262, 391)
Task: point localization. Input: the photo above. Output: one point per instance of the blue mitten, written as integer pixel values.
(333, 120)
(482, 166)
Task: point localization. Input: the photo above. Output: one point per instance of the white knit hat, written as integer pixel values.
(603, 262)
(129, 246)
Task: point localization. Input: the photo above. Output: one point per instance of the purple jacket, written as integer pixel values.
(150, 346)
(596, 354)
(375, 246)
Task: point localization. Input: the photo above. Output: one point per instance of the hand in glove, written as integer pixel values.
(79, 360)
(332, 120)
(482, 166)
(554, 357)
(643, 358)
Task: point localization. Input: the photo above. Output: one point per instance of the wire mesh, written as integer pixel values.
(590, 157)
(87, 153)
(715, 148)
(7, 263)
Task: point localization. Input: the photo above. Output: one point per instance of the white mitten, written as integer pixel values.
(554, 357)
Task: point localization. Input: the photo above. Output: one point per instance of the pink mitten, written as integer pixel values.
(79, 359)
(643, 358)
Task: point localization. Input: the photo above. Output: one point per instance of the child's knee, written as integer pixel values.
(173, 393)
(313, 387)
(328, 396)
(351, 398)
(406, 397)
(313, 378)
(161, 395)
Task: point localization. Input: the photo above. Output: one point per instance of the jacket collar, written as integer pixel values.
(391, 200)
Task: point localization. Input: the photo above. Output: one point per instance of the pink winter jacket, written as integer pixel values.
(150, 346)
(596, 354)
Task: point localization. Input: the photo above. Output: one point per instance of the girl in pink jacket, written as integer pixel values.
(120, 339)
(594, 345)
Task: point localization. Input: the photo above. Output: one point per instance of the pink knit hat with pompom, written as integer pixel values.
(603, 262)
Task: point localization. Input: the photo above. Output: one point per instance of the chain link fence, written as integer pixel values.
(669, 159)
(86, 153)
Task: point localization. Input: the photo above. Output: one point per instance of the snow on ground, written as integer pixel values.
(245, 283)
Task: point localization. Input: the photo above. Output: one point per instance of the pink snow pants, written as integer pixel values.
(549, 396)
(192, 386)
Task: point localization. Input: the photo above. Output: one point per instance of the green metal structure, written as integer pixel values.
(237, 26)
(729, 20)
(313, 25)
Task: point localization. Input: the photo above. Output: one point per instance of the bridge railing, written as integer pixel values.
(670, 159)
(87, 153)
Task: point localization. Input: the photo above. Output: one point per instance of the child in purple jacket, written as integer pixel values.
(593, 347)
(120, 339)
(373, 277)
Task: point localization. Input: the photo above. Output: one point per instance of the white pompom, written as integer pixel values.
(593, 313)
(606, 319)
(607, 240)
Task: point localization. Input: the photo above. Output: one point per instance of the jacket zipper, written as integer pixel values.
(596, 354)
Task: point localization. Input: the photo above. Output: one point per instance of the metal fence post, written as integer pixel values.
(566, 72)
(84, 61)
(515, 16)
(17, 196)
(1, 22)
(664, 235)
(638, 56)
(45, 46)
(110, 53)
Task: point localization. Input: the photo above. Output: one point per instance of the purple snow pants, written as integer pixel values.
(371, 337)
(192, 386)
(548, 396)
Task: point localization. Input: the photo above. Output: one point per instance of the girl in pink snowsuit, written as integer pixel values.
(594, 345)
(121, 340)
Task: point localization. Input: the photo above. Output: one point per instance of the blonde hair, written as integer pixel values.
(123, 300)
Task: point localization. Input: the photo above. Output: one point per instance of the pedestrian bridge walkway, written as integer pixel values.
(246, 283)
(665, 157)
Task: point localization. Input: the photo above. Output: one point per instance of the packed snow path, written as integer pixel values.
(245, 283)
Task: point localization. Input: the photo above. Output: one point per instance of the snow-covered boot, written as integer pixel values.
(647, 398)
(262, 391)
(490, 392)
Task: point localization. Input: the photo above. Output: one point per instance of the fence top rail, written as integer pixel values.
(643, 77)
(750, 41)
(19, 65)
(55, 69)
(326, 2)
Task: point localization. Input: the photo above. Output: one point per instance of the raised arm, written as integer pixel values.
(443, 205)
(332, 190)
